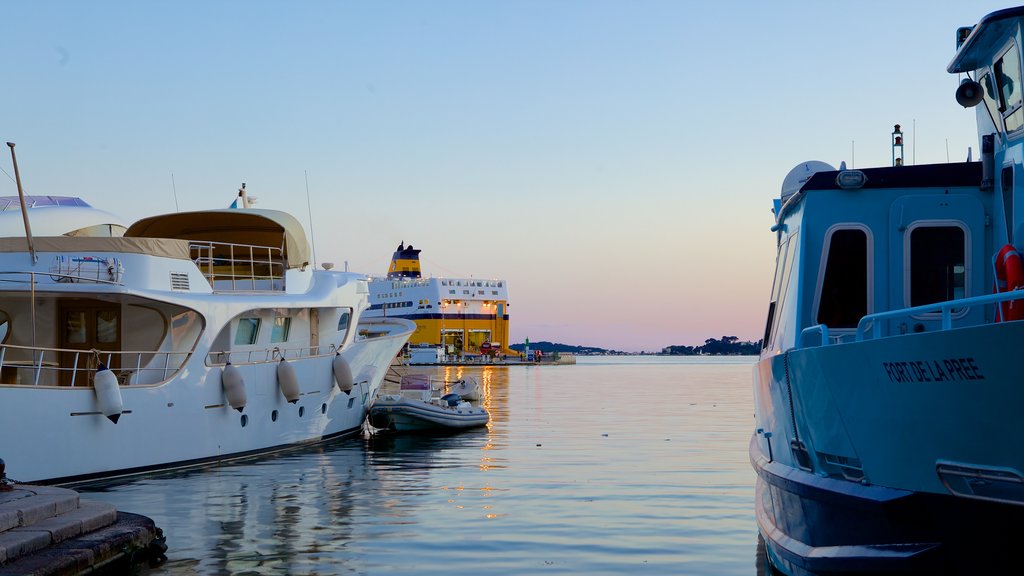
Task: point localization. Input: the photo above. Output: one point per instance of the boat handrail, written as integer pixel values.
(946, 308)
(55, 277)
(870, 325)
(47, 364)
(267, 355)
(239, 267)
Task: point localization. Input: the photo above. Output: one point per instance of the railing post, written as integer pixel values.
(74, 370)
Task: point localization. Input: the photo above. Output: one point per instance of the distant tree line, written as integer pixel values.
(726, 346)
(549, 347)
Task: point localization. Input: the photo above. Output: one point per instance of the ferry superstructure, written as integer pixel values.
(194, 337)
(888, 395)
(460, 314)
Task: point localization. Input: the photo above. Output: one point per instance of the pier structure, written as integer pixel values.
(50, 531)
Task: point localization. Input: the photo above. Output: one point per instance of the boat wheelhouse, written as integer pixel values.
(887, 395)
(461, 315)
(193, 338)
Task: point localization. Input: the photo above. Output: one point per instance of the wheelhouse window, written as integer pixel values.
(344, 320)
(937, 264)
(282, 325)
(1007, 77)
(248, 330)
(843, 300)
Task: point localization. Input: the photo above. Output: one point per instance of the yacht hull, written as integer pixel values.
(59, 437)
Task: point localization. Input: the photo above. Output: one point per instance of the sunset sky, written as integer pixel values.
(614, 161)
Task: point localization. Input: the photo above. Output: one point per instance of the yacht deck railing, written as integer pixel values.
(239, 267)
(25, 365)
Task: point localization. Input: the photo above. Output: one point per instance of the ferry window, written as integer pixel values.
(5, 326)
(343, 321)
(282, 324)
(991, 98)
(937, 266)
(787, 273)
(844, 289)
(1007, 72)
(248, 329)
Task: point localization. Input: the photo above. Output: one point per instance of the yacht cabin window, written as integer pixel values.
(248, 330)
(1007, 77)
(282, 325)
(343, 321)
(843, 296)
(937, 264)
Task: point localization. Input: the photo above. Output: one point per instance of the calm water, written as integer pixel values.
(613, 466)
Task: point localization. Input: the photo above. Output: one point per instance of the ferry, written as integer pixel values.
(181, 340)
(888, 394)
(460, 316)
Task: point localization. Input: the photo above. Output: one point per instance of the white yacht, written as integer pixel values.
(193, 338)
(888, 395)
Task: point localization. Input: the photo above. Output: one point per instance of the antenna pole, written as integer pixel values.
(24, 208)
(175, 190)
(309, 209)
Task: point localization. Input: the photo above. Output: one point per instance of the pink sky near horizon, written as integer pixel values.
(614, 161)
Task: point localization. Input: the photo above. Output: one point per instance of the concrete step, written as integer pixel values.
(39, 516)
(26, 504)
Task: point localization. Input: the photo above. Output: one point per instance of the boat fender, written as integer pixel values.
(342, 374)
(288, 381)
(451, 399)
(234, 386)
(108, 393)
(1010, 276)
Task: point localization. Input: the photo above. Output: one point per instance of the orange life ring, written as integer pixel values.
(1010, 276)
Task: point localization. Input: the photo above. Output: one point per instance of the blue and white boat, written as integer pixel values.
(890, 390)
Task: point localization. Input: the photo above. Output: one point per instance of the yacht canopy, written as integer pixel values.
(251, 227)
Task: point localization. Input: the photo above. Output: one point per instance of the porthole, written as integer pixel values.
(245, 420)
(302, 411)
(323, 408)
(273, 416)
(351, 401)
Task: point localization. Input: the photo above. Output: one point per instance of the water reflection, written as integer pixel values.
(589, 469)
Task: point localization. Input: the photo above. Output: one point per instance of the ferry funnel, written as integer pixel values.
(405, 263)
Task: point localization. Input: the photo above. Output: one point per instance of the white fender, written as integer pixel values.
(342, 374)
(108, 393)
(288, 381)
(234, 386)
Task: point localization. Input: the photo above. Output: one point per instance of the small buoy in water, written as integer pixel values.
(234, 386)
(288, 381)
(108, 393)
(342, 374)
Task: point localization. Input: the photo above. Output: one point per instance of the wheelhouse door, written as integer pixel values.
(88, 326)
(939, 256)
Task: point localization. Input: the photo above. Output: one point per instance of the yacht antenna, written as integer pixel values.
(24, 208)
(309, 209)
(175, 190)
